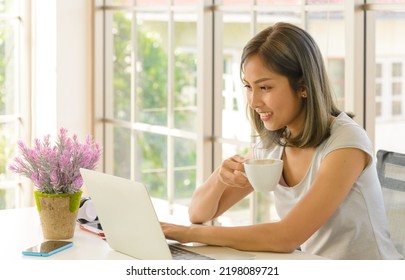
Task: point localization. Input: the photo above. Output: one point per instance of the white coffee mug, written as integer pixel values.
(264, 174)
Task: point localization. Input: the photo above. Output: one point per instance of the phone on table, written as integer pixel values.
(93, 227)
(47, 248)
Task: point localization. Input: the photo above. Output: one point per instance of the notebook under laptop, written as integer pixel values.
(129, 220)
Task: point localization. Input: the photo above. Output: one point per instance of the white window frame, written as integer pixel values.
(21, 119)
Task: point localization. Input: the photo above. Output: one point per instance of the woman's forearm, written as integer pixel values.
(260, 237)
(226, 186)
(205, 200)
(214, 197)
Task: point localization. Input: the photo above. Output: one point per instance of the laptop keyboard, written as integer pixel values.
(179, 253)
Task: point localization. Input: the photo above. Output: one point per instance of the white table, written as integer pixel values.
(20, 229)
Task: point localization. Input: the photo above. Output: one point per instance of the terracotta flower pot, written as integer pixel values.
(58, 214)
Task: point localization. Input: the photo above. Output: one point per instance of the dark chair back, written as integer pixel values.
(391, 172)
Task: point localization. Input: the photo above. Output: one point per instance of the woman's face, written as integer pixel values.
(272, 97)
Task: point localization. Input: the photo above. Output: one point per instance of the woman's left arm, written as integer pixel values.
(337, 174)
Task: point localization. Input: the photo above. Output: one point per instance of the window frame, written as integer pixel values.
(21, 118)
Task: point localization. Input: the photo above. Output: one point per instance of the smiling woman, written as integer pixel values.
(310, 88)
(274, 90)
(328, 198)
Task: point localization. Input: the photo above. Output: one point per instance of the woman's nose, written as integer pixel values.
(254, 99)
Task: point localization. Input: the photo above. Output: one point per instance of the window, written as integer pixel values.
(13, 95)
(170, 105)
(149, 100)
(389, 56)
(389, 90)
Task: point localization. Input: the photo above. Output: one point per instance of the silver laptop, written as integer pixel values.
(130, 223)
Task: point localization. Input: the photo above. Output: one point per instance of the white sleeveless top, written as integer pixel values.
(358, 229)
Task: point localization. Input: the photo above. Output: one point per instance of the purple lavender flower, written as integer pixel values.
(55, 168)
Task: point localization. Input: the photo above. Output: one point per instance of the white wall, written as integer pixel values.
(62, 67)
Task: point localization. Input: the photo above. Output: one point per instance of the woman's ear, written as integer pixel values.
(302, 88)
(302, 91)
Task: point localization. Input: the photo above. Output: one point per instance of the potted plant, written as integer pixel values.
(54, 169)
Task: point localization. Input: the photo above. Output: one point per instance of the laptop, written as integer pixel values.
(131, 225)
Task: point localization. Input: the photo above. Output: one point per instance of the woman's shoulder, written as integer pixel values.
(345, 124)
(345, 132)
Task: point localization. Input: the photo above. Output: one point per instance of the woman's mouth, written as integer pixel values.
(265, 116)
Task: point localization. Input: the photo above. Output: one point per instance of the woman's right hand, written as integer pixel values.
(232, 172)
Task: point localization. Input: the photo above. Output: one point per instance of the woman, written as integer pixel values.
(329, 198)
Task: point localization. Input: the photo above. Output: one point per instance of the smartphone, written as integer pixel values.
(47, 248)
(94, 227)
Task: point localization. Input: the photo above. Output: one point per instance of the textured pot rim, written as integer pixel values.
(74, 201)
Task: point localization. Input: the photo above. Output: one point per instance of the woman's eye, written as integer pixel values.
(247, 87)
(265, 88)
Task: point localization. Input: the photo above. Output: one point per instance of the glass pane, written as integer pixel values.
(185, 2)
(320, 2)
(264, 20)
(336, 68)
(397, 69)
(121, 32)
(239, 214)
(266, 208)
(185, 169)
(328, 30)
(378, 70)
(120, 149)
(8, 70)
(282, 2)
(8, 138)
(233, 2)
(9, 6)
(118, 2)
(396, 108)
(151, 70)
(388, 1)
(150, 3)
(378, 109)
(229, 150)
(396, 88)
(390, 54)
(378, 89)
(151, 162)
(235, 124)
(8, 179)
(7, 196)
(185, 73)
